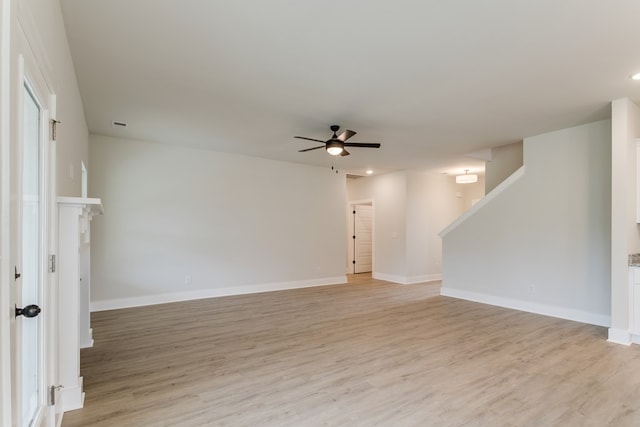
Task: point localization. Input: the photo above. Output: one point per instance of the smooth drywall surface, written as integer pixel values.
(631, 141)
(432, 204)
(72, 134)
(505, 160)
(389, 195)
(545, 240)
(625, 128)
(181, 221)
(471, 192)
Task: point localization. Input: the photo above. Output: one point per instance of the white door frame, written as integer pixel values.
(350, 244)
(5, 138)
(26, 62)
(30, 74)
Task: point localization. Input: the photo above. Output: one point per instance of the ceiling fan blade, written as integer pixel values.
(309, 139)
(344, 153)
(346, 135)
(309, 149)
(362, 144)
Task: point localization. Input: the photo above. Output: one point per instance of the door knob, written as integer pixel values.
(29, 311)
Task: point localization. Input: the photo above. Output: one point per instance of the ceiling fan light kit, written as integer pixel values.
(466, 178)
(335, 145)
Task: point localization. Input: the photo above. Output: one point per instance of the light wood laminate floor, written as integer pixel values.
(362, 354)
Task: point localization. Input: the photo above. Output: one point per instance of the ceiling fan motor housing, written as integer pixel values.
(335, 146)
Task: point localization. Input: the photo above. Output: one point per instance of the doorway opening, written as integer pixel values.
(360, 247)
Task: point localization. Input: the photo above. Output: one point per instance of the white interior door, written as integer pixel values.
(29, 325)
(32, 338)
(363, 242)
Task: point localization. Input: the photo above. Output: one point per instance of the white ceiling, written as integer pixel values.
(430, 80)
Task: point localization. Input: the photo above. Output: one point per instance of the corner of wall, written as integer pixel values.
(504, 185)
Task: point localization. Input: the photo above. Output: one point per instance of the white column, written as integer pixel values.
(74, 215)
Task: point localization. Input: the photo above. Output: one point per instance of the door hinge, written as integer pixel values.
(54, 129)
(52, 263)
(52, 394)
(354, 212)
(354, 261)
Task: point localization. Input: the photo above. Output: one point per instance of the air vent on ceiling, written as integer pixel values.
(352, 176)
(119, 124)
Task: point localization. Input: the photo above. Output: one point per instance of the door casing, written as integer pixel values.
(350, 232)
(28, 67)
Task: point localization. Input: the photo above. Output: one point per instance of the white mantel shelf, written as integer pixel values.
(93, 205)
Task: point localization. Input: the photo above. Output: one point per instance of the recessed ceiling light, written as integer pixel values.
(369, 172)
(636, 76)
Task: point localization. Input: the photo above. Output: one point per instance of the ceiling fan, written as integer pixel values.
(335, 145)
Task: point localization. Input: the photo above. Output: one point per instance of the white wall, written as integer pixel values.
(505, 160)
(543, 244)
(625, 237)
(432, 204)
(410, 209)
(389, 195)
(235, 224)
(73, 136)
(471, 192)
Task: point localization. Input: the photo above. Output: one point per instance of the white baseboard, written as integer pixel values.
(407, 280)
(531, 307)
(72, 397)
(388, 277)
(89, 342)
(621, 336)
(118, 303)
(424, 278)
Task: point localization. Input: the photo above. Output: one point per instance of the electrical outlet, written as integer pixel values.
(187, 279)
(532, 288)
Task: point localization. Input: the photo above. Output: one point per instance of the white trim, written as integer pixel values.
(72, 398)
(424, 278)
(499, 189)
(32, 78)
(389, 277)
(362, 202)
(93, 205)
(407, 280)
(635, 339)
(5, 173)
(619, 336)
(531, 307)
(637, 155)
(114, 304)
(350, 232)
(88, 343)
